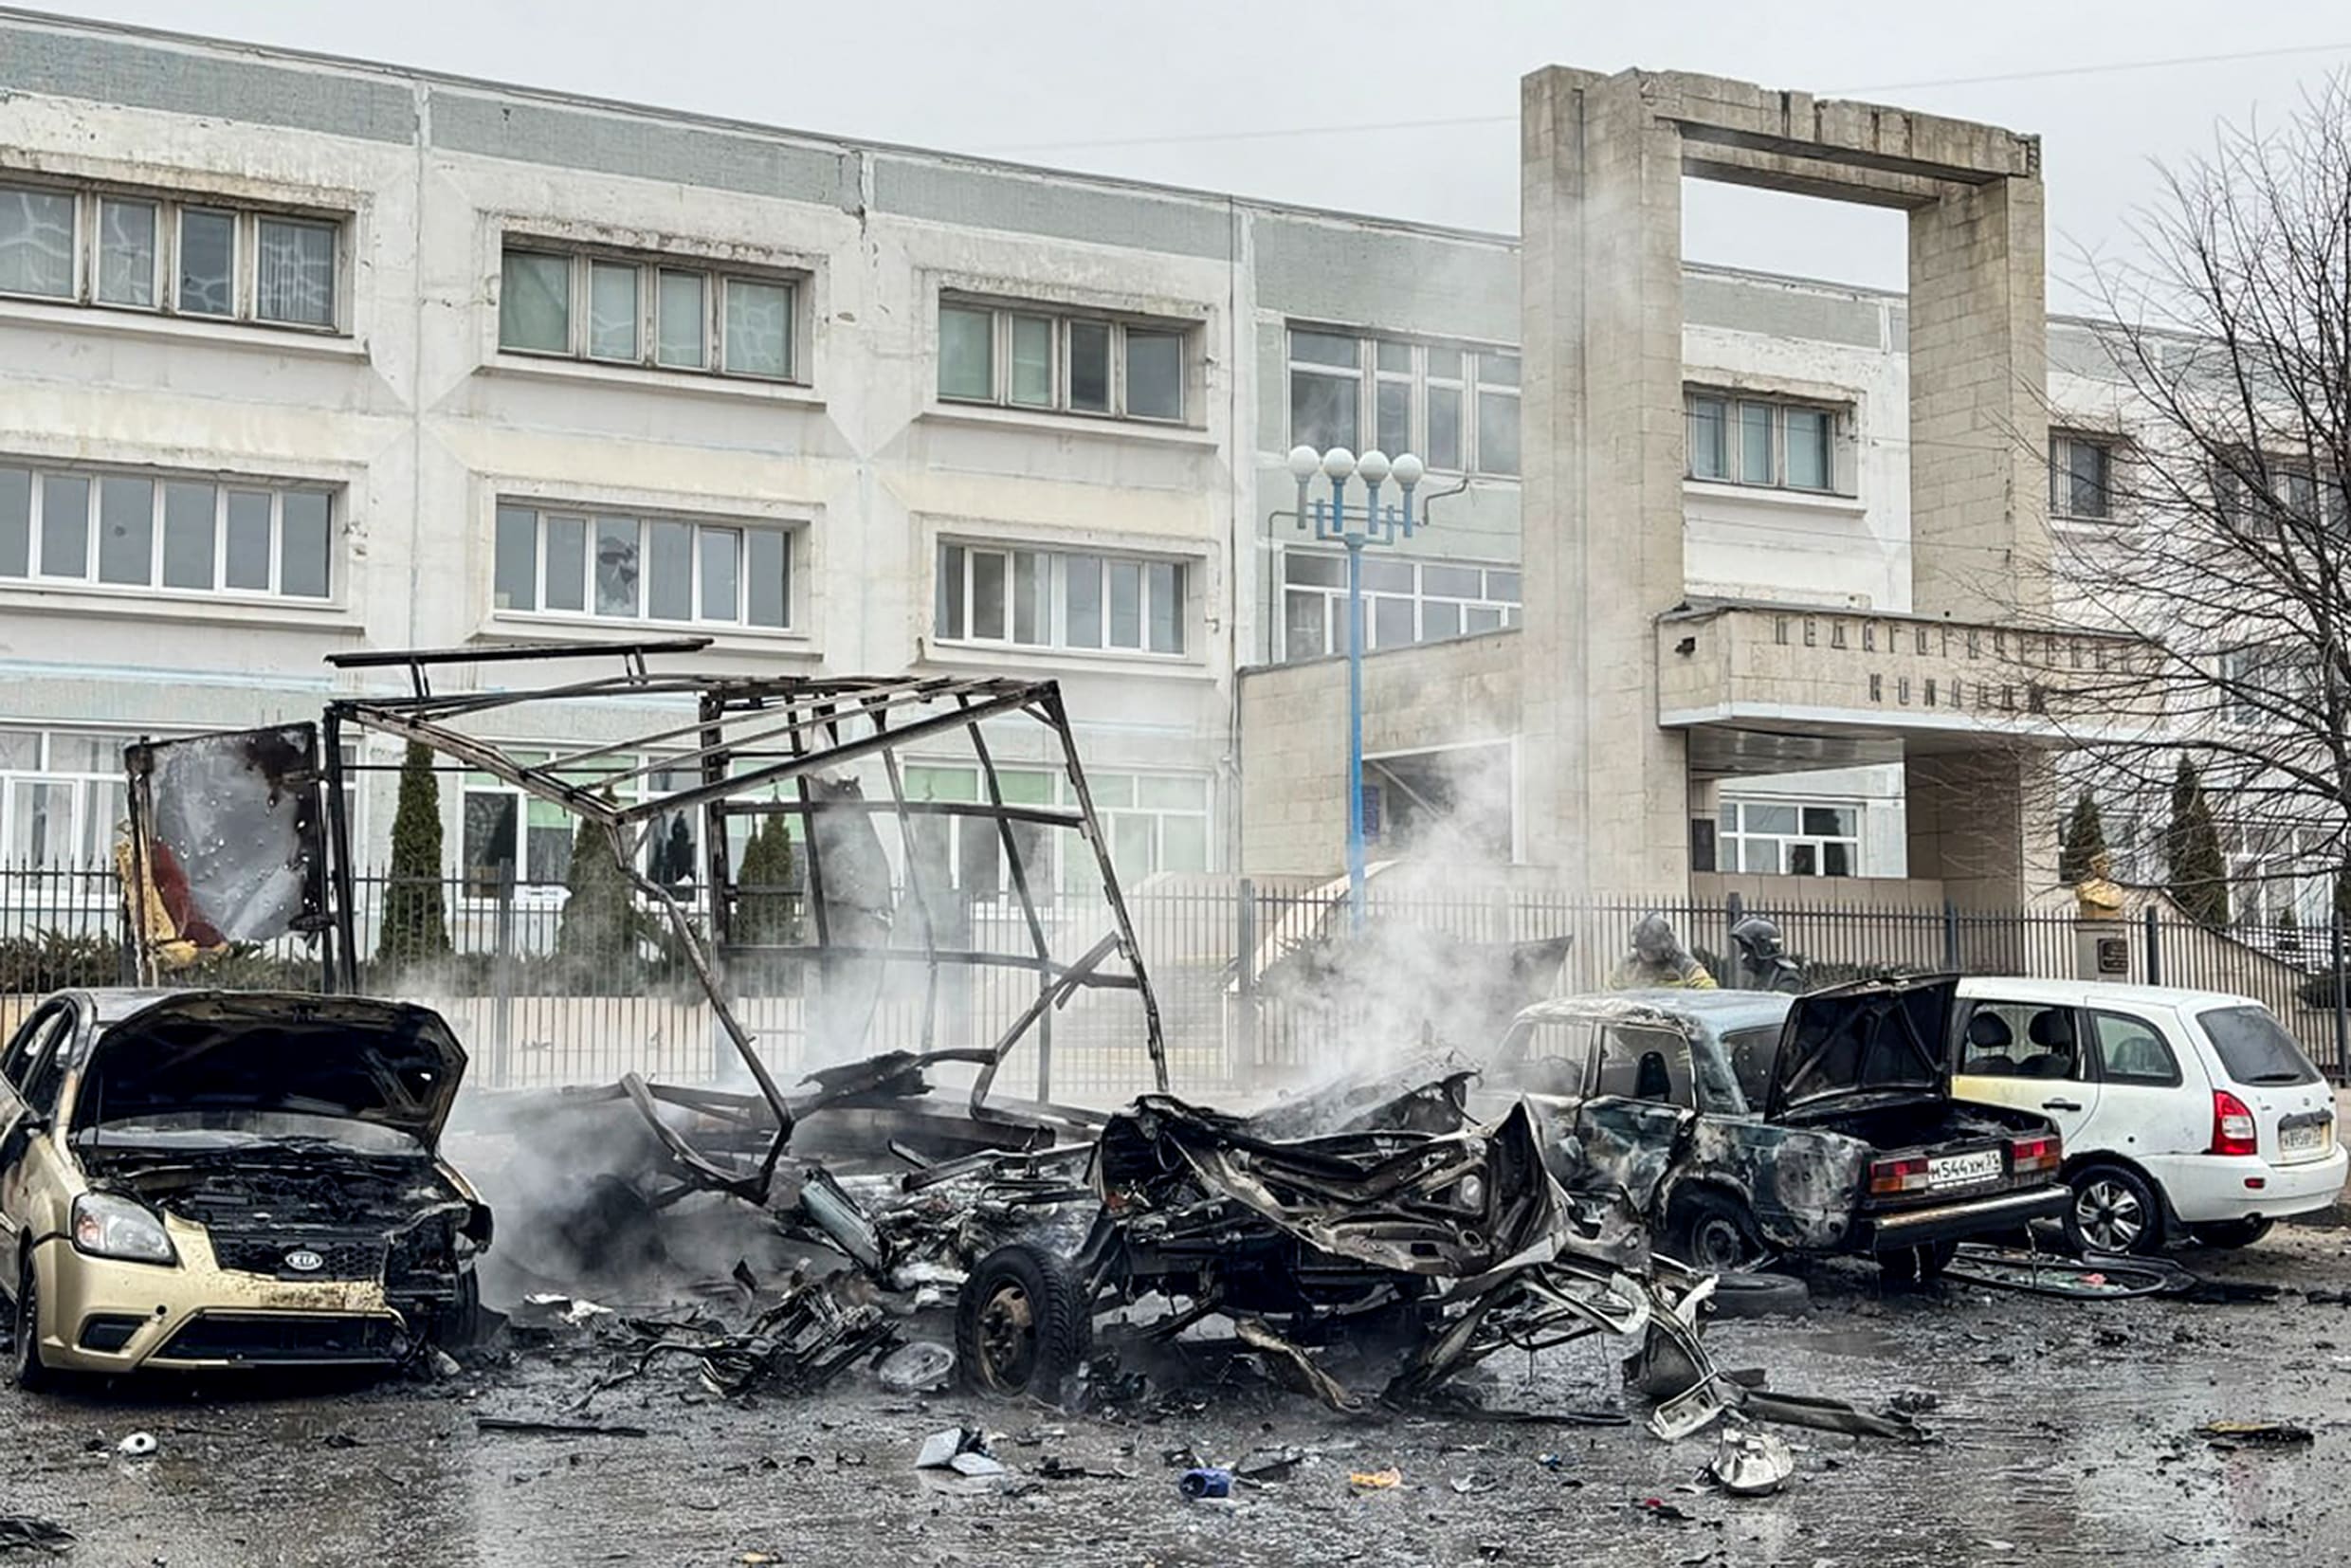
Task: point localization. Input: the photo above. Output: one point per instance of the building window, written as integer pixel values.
(2081, 478)
(1403, 601)
(1790, 838)
(639, 311)
(1060, 599)
(507, 834)
(563, 561)
(1026, 356)
(1154, 823)
(2262, 688)
(154, 252)
(1768, 443)
(172, 532)
(1456, 408)
(61, 799)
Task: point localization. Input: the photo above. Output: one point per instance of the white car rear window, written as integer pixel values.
(2254, 1048)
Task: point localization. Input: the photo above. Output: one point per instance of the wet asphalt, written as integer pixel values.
(2065, 1431)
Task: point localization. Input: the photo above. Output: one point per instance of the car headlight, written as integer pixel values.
(109, 1226)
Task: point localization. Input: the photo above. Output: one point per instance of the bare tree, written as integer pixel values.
(2230, 328)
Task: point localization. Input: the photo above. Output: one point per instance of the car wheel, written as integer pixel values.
(31, 1372)
(2114, 1209)
(1709, 1231)
(1023, 1322)
(1917, 1264)
(1741, 1294)
(2233, 1232)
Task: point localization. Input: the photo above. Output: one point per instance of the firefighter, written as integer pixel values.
(1658, 958)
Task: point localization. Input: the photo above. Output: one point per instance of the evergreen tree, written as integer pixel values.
(767, 903)
(601, 924)
(2081, 842)
(2199, 875)
(415, 924)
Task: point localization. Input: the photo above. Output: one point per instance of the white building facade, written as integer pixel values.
(301, 355)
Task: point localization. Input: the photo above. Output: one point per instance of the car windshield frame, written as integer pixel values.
(2219, 1027)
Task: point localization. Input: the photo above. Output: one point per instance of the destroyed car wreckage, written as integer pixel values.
(1350, 1218)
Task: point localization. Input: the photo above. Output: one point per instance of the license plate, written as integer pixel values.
(2310, 1139)
(1964, 1169)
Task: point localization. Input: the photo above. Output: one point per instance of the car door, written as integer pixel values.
(37, 1041)
(2142, 1109)
(2029, 1056)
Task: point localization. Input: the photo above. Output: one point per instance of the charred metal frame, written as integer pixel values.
(749, 734)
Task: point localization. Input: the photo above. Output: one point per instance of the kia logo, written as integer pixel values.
(303, 1261)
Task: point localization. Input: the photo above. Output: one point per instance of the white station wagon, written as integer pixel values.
(2183, 1113)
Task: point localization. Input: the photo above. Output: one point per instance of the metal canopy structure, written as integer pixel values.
(759, 746)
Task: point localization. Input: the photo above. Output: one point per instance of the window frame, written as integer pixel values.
(38, 575)
(1732, 835)
(718, 279)
(172, 206)
(1507, 613)
(1069, 869)
(1003, 315)
(1056, 562)
(2063, 482)
(591, 517)
(1733, 404)
(1468, 385)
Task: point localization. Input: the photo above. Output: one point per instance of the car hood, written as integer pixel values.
(1874, 1039)
(391, 1064)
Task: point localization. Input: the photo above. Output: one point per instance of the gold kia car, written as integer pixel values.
(199, 1179)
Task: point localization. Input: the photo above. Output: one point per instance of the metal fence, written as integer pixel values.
(1259, 982)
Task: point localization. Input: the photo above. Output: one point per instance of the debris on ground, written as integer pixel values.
(138, 1445)
(1204, 1481)
(921, 1367)
(1748, 1463)
(962, 1450)
(1268, 1464)
(25, 1532)
(2254, 1435)
(1376, 1481)
(531, 1426)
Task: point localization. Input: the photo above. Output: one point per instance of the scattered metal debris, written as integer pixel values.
(139, 1445)
(2256, 1435)
(541, 1428)
(1204, 1481)
(1748, 1463)
(27, 1532)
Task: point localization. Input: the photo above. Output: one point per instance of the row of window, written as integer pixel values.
(1060, 599)
(193, 536)
(152, 253)
(1404, 602)
(1025, 358)
(631, 312)
(1768, 443)
(1456, 408)
(556, 562)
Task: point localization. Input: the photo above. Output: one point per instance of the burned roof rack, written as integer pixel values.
(746, 740)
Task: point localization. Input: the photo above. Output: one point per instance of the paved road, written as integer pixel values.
(2067, 1436)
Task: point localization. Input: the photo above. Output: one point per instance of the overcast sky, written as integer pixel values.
(1159, 91)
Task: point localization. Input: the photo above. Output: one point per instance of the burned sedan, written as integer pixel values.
(202, 1179)
(1406, 1224)
(1747, 1122)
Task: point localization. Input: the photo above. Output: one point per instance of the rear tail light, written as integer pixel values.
(2035, 1156)
(2233, 1132)
(1888, 1176)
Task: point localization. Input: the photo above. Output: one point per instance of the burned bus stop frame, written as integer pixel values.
(789, 731)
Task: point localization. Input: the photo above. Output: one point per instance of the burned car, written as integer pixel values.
(1747, 1123)
(201, 1179)
(1407, 1224)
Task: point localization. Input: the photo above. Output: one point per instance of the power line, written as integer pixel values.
(1368, 127)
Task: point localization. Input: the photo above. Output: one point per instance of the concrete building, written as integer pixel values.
(301, 355)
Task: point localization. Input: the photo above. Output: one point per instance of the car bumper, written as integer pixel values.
(1957, 1221)
(2211, 1188)
(106, 1316)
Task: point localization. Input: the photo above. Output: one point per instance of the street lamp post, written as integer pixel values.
(1334, 521)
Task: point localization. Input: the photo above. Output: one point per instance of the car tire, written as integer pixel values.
(1917, 1265)
(1710, 1232)
(32, 1373)
(2232, 1233)
(1024, 1323)
(1745, 1294)
(2115, 1209)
